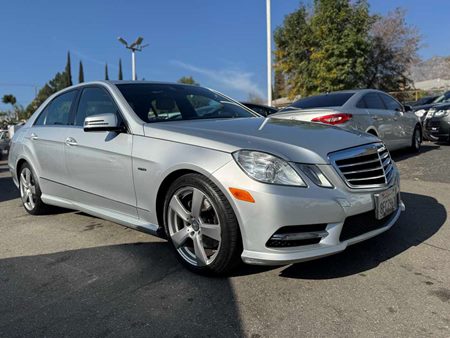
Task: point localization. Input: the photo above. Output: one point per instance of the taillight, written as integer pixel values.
(333, 118)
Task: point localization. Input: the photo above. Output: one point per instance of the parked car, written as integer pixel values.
(368, 110)
(422, 101)
(437, 124)
(219, 181)
(421, 110)
(260, 108)
(4, 143)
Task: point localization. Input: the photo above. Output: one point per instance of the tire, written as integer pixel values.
(416, 140)
(30, 191)
(188, 230)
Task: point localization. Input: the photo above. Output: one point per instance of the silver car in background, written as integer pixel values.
(220, 182)
(368, 110)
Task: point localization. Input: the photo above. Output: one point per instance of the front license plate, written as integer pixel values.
(386, 202)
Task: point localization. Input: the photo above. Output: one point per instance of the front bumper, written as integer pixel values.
(276, 207)
(438, 129)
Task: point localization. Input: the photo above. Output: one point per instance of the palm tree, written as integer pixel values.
(10, 99)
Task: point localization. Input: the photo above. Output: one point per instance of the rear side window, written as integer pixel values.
(361, 104)
(373, 101)
(390, 103)
(94, 101)
(57, 111)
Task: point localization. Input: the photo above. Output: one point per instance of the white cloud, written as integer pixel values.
(228, 78)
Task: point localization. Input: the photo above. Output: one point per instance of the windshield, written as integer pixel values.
(320, 101)
(173, 102)
(443, 98)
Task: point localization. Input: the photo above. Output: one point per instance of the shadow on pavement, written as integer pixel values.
(8, 190)
(404, 154)
(122, 290)
(423, 217)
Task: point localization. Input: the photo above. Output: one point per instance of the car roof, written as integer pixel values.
(352, 91)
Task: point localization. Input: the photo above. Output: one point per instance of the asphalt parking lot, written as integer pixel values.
(70, 274)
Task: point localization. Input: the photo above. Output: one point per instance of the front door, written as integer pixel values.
(99, 163)
(401, 130)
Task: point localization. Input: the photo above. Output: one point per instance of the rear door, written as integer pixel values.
(99, 163)
(46, 141)
(382, 118)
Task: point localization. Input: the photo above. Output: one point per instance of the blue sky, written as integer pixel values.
(220, 43)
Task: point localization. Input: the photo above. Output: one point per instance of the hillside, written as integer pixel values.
(435, 68)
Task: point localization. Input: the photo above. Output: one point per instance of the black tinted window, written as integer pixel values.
(159, 102)
(390, 103)
(361, 103)
(326, 100)
(94, 101)
(57, 111)
(373, 101)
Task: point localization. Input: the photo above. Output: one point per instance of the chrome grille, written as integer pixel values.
(368, 166)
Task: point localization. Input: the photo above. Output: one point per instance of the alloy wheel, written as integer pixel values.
(417, 139)
(27, 189)
(194, 226)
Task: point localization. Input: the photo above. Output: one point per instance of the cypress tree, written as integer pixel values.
(81, 73)
(68, 71)
(120, 70)
(106, 72)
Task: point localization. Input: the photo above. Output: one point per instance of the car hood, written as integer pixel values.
(295, 141)
(424, 106)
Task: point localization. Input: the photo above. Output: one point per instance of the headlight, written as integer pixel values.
(441, 113)
(267, 168)
(420, 112)
(316, 175)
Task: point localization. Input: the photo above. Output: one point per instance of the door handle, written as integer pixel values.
(70, 141)
(33, 136)
(376, 118)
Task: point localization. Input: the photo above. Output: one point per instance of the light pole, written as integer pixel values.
(135, 46)
(269, 54)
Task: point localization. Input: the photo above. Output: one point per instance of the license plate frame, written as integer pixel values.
(386, 202)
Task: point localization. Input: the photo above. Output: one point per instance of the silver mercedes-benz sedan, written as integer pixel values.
(368, 110)
(221, 183)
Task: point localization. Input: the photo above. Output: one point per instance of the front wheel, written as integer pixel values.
(201, 226)
(416, 140)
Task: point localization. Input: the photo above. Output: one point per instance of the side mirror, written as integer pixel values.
(102, 122)
(407, 108)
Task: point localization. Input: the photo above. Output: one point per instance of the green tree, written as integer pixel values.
(56, 84)
(80, 73)
(120, 77)
(68, 71)
(9, 99)
(106, 72)
(187, 80)
(279, 86)
(324, 49)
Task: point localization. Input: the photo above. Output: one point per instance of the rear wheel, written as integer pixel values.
(30, 192)
(201, 226)
(416, 140)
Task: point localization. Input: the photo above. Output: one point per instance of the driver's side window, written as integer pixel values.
(94, 101)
